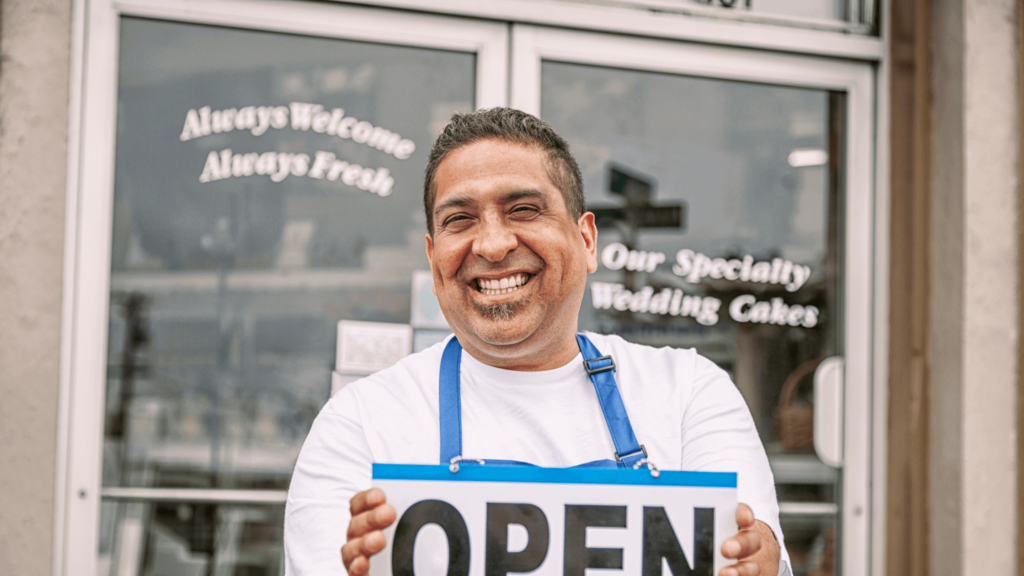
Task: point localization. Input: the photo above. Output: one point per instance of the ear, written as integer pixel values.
(430, 259)
(588, 232)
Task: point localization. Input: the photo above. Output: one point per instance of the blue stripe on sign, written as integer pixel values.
(477, 473)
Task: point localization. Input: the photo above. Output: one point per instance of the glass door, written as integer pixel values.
(252, 189)
(732, 205)
(266, 186)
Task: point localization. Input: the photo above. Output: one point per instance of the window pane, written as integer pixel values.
(190, 539)
(718, 212)
(267, 186)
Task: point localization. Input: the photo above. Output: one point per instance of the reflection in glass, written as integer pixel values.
(718, 206)
(267, 186)
(190, 539)
(816, 9)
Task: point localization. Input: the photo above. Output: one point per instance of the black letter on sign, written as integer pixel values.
(498, 560)
(577, 556)
(419, 515)
(660, 542)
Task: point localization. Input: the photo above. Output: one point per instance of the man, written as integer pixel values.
(510, 247)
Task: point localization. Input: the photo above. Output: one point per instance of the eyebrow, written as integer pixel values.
(519, 194)
(461, 201)
(458, 201)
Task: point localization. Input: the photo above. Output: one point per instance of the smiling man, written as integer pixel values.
(510, 247)
(509, 258)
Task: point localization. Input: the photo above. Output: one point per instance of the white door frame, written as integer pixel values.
(676, 20)
(91, 147)
(90, 190)
(532, 44)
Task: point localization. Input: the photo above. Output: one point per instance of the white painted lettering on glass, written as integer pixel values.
(303, 116)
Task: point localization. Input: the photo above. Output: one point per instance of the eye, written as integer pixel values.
(524, 211)
(455, 221)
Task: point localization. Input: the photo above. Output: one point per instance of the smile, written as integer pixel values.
(502, 285)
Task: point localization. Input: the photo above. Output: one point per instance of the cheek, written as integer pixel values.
(447, 260)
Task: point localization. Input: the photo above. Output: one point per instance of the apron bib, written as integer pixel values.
(629, 453)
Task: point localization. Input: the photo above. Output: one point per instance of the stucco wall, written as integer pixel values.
(34, 58)
(974, 288)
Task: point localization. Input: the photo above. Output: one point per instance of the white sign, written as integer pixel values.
(423, 339)
(495, 520)
(367, 347)
(426, 311)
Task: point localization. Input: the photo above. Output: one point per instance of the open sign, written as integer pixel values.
(496, 520)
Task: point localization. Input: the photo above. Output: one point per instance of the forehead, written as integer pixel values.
(492, 165)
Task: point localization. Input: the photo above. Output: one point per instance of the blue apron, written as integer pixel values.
(629, 453)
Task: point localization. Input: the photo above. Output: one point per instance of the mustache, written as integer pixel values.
(515, 260)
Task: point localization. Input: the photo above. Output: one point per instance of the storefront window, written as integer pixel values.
(267, 186)
(718, 208)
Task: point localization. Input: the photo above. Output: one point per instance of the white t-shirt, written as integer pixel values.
(684, 410)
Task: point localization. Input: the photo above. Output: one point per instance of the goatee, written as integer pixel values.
(504, 311)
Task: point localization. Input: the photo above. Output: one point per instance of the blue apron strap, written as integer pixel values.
(449, 402)
(601, 370)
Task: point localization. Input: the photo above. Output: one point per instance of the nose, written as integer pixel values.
(494, 240)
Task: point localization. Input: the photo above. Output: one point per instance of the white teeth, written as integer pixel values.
(502, 286)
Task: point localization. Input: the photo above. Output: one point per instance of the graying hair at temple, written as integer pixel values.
(512, 126)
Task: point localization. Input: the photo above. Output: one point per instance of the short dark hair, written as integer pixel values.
(513, 126)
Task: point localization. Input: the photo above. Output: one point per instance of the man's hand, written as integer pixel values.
(370, 515)
(754, 546)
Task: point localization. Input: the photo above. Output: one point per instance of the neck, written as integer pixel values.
(525, 359)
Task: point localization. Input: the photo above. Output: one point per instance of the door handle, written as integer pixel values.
(828, 411)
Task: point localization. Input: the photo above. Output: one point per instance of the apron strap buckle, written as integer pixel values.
(591, 370)
(634, 453)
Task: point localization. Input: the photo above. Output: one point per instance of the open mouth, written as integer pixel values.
(502, 285)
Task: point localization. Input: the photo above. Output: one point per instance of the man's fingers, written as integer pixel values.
(742, 545)
(365, 546)
(370, 514)
(351, 551)
(355, 554)
(377, 519)
(366, 500)
(744, 516)
(372, 543)
(741, 569)
(358, 567)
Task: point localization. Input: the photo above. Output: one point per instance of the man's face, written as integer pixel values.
(509, 261)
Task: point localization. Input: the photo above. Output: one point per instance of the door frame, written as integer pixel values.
(90, 190)
(677, 20)
(533, 44)
(501, 76)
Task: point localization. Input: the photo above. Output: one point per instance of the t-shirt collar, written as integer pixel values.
(570, 371)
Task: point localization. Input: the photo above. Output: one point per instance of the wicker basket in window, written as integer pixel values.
(795, 423)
